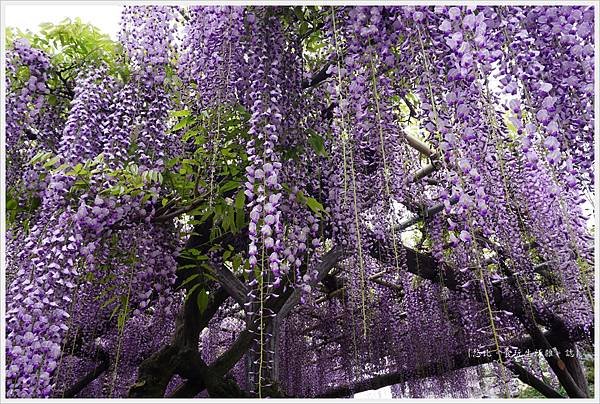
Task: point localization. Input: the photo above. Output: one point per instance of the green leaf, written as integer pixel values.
(108, 302)
(11, 204)
(257, 273)
(40, 157)
(190, 134)
(303, 28)
(112, 314)
(228, 186)
(51, 162)
(300, 197)
(205, 216)
(202, 301)
(236, 262)
(214, 233)
(292, 153)
(62, 167)
(230, 219)
(181, 124)
(298, 12)
(314, 205)
(123, 313)
(318, 144)
(180, 113)
(76, 170)
(191, 291)
(190, 278)
(240, 200)
(240, 218)
(190, 252)
(99, 158)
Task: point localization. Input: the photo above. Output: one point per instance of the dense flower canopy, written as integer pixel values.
(302, 202)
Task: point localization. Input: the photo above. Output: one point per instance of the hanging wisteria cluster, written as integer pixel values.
(305, 202)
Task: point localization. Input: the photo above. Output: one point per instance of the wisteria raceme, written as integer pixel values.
(304, 201)
(558, 83)
(84, 231)
(262, 187)
(24, 104)
(211, 51)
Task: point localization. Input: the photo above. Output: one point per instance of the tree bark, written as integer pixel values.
(426, 267)
(90, 377)
(213, 377)
(574, 365)
(528, 378)
(457, 361)
(287, 299)
(181, 356)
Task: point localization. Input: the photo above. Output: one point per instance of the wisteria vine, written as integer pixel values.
(304, 202)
